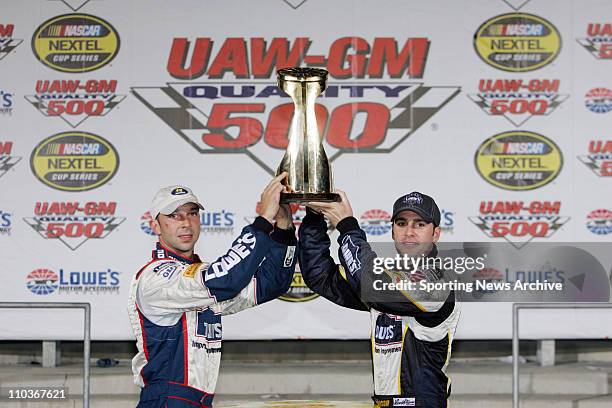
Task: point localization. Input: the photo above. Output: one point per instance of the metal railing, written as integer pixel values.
(86, 334)
(515, 334)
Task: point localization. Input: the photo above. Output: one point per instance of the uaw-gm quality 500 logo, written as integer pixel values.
(45, 281)
(600, 221)
(598, 40)
(74, 161)
(73, 223)
(7, 42)
(7, 161)
(517, 100)
(517, 42)
(518, 160)
(368, 107)
(75, 43)
(519, 222)
(599, 158)
(75, 100)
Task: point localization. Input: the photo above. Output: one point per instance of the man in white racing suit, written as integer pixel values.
(176, 301)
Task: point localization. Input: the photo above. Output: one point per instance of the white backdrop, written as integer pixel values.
(405, 111)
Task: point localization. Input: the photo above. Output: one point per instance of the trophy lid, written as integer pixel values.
(302, 74)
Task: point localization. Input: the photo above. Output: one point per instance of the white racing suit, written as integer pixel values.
(175, 310)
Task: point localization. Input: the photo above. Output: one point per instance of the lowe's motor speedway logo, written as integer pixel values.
(45, 281)
(6, 222)
(370, 105)
(518, 222)
(598, 40)
(599, 100)
(7, 42)
(375, 222)
(6, 102)
(6, 160)
(599, 221)
(73, 223)
(599, 158)
(518, 100)
(75, 100)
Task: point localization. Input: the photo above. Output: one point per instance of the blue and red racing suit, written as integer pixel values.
(175, 310)
(412, 332)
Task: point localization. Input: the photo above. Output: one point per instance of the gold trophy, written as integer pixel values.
(305, 161)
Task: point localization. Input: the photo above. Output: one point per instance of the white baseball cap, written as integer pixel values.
(168, 199)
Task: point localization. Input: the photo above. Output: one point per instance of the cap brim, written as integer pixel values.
(415, 210)
(170, 208)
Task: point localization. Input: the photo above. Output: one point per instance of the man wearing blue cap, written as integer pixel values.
(412, 330)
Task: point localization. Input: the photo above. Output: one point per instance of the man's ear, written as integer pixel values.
(154, 224)
(436, 234)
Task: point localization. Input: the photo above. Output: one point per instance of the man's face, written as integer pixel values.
(180, 230)
(412, 235)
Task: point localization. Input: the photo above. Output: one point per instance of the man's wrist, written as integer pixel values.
(347, 224)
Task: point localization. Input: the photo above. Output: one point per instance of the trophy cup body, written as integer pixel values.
(310, 177)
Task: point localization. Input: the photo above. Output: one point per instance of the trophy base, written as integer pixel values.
(287, 198)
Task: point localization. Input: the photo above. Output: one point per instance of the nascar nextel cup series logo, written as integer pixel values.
(517, 42)
(598, 40)
(7, 42)
(6, 160)
(44, 281)
(75, 43)
(518, 222)
(598, 100)
(517, 100)
(369, 106)
(75, 100)
(73, 223)
(518, 160)
(298, 291)
(599, 158)
(600, 222)
(74, 161)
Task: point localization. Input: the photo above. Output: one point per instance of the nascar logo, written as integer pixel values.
(518, 222)
(518, 100)
(7, 42)
(599, 159)
(598, 41)
(73, 223)
(7, 161)
(255, 117)
(74, 100)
